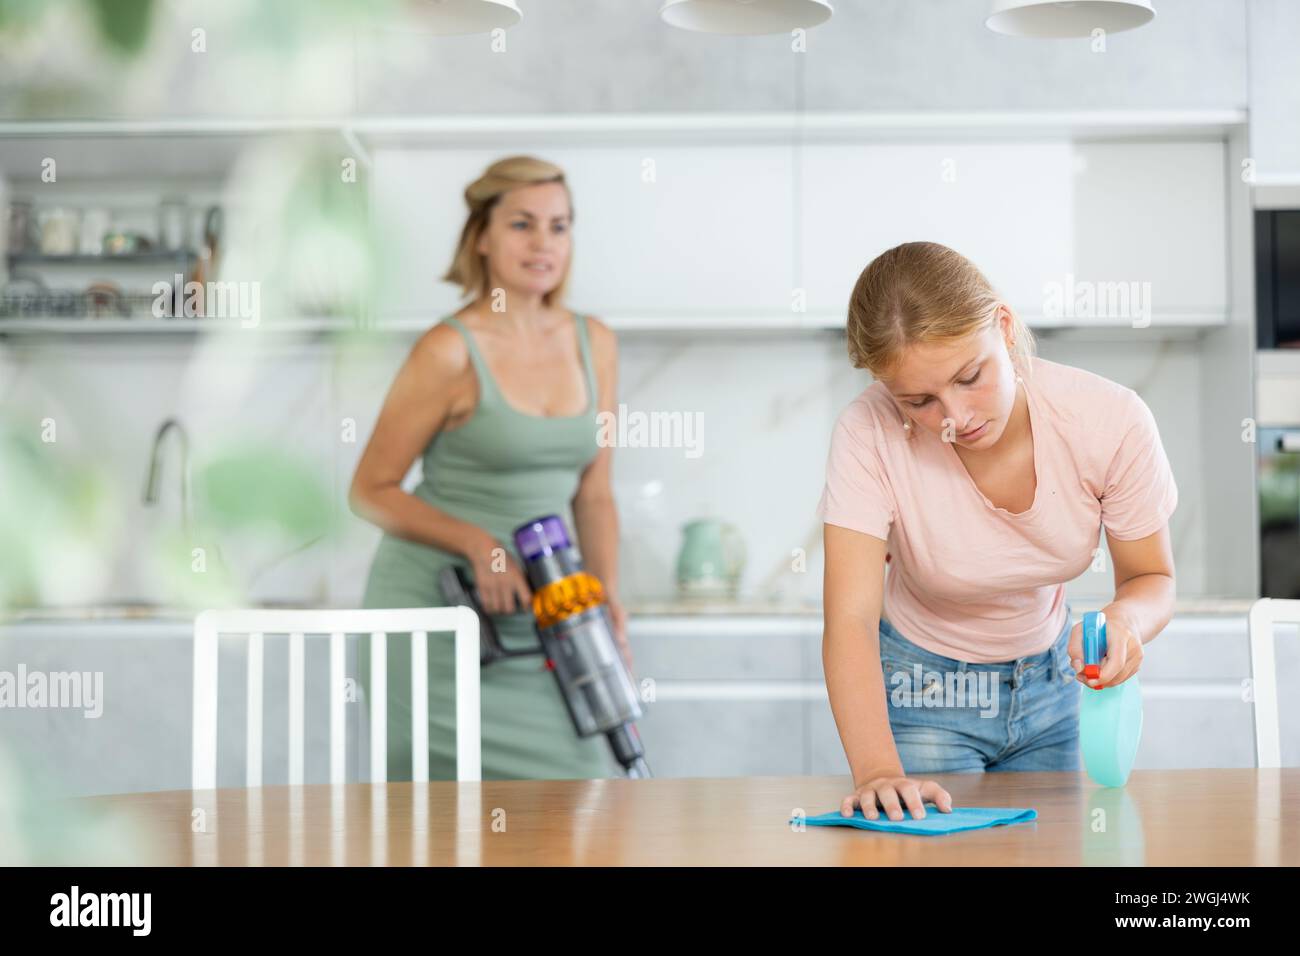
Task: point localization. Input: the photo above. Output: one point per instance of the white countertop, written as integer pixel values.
(749, 608)
(660, 608)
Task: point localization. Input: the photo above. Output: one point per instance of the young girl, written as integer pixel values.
(982, 475)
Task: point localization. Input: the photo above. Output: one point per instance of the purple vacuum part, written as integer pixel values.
(541, 536)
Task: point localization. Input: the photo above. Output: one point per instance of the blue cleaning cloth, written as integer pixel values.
(935, 822)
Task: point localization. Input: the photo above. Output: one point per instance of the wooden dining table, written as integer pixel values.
(1220, 817)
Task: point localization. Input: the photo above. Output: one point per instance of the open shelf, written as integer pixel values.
(1170, 327)
(90, 259)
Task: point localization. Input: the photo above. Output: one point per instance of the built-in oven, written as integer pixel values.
(1277, 278)
(1279, 512)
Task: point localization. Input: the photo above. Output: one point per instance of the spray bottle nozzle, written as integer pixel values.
(1094, 643)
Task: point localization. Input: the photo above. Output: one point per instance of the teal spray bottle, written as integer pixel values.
(1110, 718)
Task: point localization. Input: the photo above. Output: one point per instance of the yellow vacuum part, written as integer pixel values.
(566, 597)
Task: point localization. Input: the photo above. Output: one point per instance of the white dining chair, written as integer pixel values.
(1265, 613)
(256, 623)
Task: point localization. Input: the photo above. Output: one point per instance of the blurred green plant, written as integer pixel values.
(256, 485)
(328, 246)
(62, 531)
(57, 522)
(19, 15)
(254, 498)
(306, 233)
(38, 831)
(125, 27)
(123, 24)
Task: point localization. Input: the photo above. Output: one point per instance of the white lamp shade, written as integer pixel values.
(1049, 18)
(745, 17)
(458, 17)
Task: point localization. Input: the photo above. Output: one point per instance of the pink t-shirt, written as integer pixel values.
(972, 581)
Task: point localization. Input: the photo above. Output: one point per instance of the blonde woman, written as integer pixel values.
(500, 402)
(983, 476)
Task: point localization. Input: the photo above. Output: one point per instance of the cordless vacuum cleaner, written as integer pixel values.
(576, 637)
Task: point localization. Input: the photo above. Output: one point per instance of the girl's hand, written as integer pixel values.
(618, 614)
(1124, 651)
(890, 790)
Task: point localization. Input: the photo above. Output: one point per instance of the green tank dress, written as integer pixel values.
(500, 469)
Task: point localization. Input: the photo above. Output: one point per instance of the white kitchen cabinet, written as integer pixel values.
(728, 695)
(664, 230)
(1005, 206)
(1031, 216)
(735, 696)
(714, 221)
(743, 234)
(1275, 94)
(731, 738)
(141, 740)
(1156, 212)
(732, 701)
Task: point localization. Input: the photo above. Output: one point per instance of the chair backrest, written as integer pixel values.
(1264, 613)
(255, 623)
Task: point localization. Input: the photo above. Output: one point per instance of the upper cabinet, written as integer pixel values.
(667, 233)
(1156, 213)
(765, 221)
(1275, 102)
(1078, 234)
(1008, 207)
(1073, 234)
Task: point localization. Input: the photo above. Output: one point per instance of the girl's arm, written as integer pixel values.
(1143, 605)
(1144, 583)
(854, 593)
(852, 599)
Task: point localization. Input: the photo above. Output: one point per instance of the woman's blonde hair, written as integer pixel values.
(468, 266)
(923, 292)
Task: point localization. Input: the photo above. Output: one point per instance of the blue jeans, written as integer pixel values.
(951, 716)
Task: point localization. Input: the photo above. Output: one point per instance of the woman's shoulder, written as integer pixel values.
(600, 334)
(603, 341)
(442, 347)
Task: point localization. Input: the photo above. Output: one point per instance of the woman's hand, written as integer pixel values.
(890, 790)
(501, 585)
(618, 614)
(1124, 651)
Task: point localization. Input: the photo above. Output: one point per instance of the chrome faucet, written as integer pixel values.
(155, 470)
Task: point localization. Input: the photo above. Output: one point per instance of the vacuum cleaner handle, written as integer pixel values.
(458, 589)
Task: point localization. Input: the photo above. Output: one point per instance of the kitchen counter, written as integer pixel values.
(733, 694)
(1217, 817)
(669, 607)
(659, 607)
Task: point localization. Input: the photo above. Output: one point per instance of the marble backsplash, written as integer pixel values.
(766, 403)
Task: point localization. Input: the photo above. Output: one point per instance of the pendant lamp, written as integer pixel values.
(458, 17)
(744, 17)
(1053, 18)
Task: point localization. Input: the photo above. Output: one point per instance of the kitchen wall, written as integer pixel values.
(614, 55)
(766, 431)
(767, 398)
